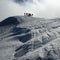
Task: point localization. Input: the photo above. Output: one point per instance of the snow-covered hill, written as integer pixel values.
(29, 38)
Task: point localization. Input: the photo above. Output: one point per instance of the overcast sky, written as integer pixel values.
(40, 8)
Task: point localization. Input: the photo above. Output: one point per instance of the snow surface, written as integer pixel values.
(29, 38)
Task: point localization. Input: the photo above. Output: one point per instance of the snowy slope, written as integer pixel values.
(29, 38)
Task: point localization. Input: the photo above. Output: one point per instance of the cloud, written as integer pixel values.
(40, 8)
(22, 1)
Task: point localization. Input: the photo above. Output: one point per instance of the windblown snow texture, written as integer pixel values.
(29, 38)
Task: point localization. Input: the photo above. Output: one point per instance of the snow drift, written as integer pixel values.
(29, 38)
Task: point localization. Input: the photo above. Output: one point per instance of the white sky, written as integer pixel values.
(40, 8)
